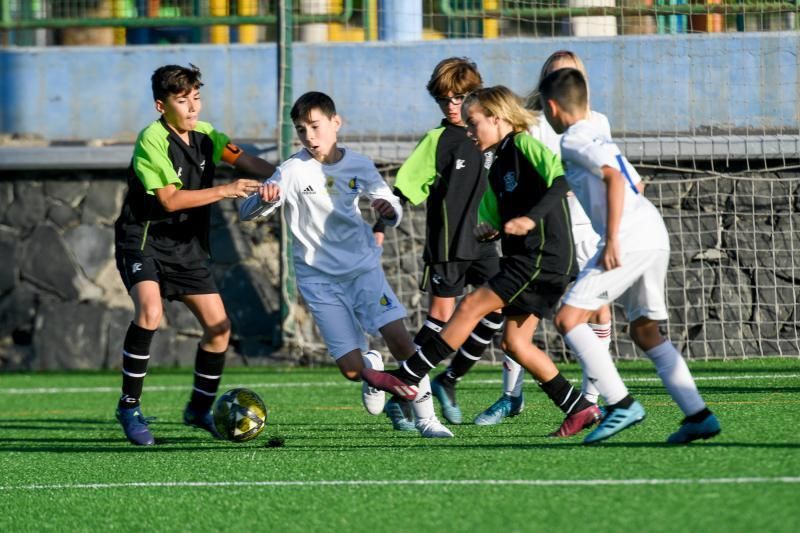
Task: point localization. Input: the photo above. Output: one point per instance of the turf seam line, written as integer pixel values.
(380, 482)
(71, 390)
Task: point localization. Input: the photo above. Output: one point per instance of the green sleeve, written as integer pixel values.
(488, 211)
(219, 139)
(415, 177)
(151, 160)
(546, 163)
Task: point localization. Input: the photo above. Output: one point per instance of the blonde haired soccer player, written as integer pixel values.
(512, 400)
(337, 261)
(630, 266)
(525, 206)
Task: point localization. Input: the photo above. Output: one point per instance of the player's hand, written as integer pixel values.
(379, 236)
(612, 255)
(241, 188)
(519, 226)
(384, 208)
(269, 192)
(485, 232)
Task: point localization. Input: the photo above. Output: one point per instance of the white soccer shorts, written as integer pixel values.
(345, 310)
(638, 285)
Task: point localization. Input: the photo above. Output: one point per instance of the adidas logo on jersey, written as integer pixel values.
(603, 295)
(309, 190)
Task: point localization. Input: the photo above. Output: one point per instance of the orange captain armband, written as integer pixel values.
(231, 153)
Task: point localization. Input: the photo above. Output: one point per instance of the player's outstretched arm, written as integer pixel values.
(173, 199)
(254, 166)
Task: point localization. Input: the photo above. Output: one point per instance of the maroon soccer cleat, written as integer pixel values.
(388, 382)
(577, 422)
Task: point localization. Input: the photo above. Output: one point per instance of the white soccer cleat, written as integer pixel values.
(431, 428)
(374, 399)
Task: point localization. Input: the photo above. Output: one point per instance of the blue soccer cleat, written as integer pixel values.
(399, 412)
(506, 407)
(616, 421)
(134, 425)
(690, 431)
(446, 394)
(200, 420)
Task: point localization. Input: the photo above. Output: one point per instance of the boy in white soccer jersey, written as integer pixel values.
(630, 266)
(337, 262)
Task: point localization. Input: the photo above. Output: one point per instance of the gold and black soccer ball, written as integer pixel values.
(240, 415)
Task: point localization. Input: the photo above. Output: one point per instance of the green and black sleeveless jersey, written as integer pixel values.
(161, 158)
(446, 168)
(527, 179)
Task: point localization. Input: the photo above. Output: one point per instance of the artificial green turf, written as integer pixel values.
(66, 440)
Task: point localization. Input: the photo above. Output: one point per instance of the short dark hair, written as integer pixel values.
(175, 79)
(310, 101)
(567, 86)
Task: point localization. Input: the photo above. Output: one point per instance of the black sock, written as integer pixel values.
(135, 356)
(424, 360)
(564, 395)
(624, 403)
(472, 350)
(431, 327)
(208, 368)
(698, 416)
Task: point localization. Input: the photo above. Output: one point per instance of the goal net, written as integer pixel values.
(701, 97)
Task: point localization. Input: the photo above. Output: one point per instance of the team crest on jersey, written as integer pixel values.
(510, 181)
(386, 301)
(353, 184)
(330, 186)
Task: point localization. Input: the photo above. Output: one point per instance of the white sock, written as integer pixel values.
(603, 332)
(596, 363)
(676, 377)
(513, 377)
(423, 405)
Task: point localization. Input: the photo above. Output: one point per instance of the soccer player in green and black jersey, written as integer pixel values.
(526, 206)
(161, 241)
(447, 171)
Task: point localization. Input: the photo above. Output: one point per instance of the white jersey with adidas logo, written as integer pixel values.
(585, 150)
(331, 240)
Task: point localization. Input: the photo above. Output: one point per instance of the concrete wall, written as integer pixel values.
(662, 83)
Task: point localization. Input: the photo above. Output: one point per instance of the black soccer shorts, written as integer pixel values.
(527, 290)
(448, 279)
(174, 279)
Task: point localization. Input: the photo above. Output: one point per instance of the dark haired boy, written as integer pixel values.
(161, 241)
(337, 261)
(630, 267)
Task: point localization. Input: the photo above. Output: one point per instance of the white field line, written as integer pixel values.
(344, 383)
(391, 482)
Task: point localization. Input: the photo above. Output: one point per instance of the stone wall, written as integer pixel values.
(62, 303)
